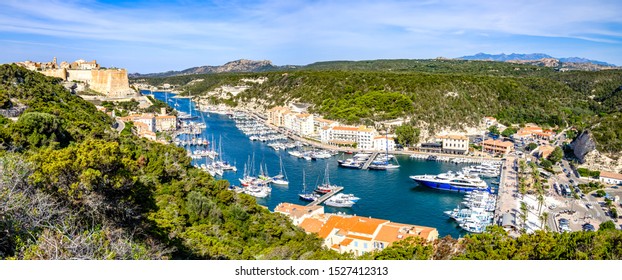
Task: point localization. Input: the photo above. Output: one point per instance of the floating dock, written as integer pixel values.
(370, 160)
(325, 196)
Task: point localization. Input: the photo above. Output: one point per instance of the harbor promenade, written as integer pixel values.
(506, 200)
(477, 157)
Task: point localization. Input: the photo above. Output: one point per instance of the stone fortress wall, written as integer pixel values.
(109, 82)
(112, 82)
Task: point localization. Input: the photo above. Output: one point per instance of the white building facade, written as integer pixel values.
(381, 143)
(362, 137)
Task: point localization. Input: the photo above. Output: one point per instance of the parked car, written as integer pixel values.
(588, 227)
(589, 206)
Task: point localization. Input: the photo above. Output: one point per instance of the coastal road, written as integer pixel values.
(120, 126)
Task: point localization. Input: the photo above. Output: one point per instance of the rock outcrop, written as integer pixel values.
(582, 145)
(241, 65)
(594, 160)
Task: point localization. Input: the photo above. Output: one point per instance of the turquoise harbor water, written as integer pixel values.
(387, 194)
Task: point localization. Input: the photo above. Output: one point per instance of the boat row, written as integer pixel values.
(380, 162)
(478, 212)
(311, 154)
(339, 200)
(485, 170)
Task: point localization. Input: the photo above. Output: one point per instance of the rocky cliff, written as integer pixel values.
(594, 160)
(241, 65)
(582, 145)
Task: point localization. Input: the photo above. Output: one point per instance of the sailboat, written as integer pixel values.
(305, 195)
(325, 187)
(385, 164)
(280, 179)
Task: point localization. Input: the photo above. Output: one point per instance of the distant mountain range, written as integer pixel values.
(517, 57)
(241, 65)
(245, 65)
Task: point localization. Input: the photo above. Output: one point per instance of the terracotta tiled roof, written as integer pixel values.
(611, 175)
(295, 210)
(358, 237)
(165, 117)
(364, 225)
(346, 242)
(329, 226)
(348, 128)
(392, 232)
(498, 143)
(311, 225)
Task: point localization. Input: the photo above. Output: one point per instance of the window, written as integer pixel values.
(364, 245)
(356, 243)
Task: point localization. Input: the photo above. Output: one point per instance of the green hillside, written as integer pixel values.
(71, 188)
(439, 93)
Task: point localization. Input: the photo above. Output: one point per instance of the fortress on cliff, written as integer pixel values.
(112, 82)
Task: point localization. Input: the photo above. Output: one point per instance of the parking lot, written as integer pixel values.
(587, 209)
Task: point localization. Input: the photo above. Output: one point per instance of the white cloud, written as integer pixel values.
(346, 27)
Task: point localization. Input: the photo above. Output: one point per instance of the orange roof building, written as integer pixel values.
(298, 212)
(533, 131)
(360, 235)
(497, 146)
(611, 178)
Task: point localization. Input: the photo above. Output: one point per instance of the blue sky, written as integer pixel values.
(155, 36)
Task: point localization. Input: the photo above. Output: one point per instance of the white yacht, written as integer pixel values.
(451, 181)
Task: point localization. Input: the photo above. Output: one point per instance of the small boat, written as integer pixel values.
(281, 178)
(325, 187)
(349, 197)
(305, 195)
(338, 202)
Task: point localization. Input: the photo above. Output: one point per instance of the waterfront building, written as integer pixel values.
(143, 130)
(276, 115)
(165, 123)
(454, 144)
(360, 136)
(431, 147)
(360, 235)
(147, 119)
(381, 142)
(297, 213)
(320, 123)
(611, 178)
(302, 124)
(497, 146)
(531, 132)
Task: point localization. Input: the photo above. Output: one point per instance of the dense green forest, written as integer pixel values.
(438, 93)
(72, 188)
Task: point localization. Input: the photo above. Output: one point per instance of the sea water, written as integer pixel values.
(385, 194)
